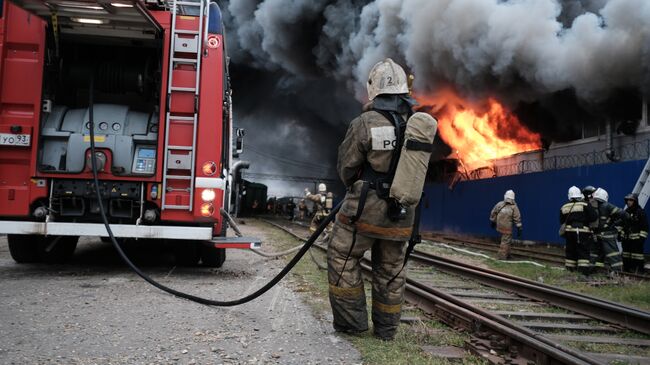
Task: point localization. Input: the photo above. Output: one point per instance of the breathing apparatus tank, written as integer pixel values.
(411, 169)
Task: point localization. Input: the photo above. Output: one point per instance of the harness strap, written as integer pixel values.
(414, 145)
(414, 240)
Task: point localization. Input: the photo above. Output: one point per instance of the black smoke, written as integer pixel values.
(557, 64)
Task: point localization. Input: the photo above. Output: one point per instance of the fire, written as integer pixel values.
(478, 132)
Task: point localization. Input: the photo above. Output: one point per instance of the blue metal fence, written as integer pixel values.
(466, 208)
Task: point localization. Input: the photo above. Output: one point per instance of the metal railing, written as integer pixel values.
(632, 151)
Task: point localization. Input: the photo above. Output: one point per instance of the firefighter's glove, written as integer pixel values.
(493, 224)
(519, 230)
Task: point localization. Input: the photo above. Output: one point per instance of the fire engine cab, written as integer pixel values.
(157, 71)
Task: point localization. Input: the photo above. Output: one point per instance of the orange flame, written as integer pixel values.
(478, 132)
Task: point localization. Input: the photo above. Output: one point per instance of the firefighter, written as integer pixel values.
(635, 232)
(576, 217)
(610, 216)
(291, 207)
(596, 259)
(320, 209)
(370, 219)
(302, 209)
(503, 215)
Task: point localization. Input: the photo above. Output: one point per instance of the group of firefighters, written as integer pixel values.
(592, 228)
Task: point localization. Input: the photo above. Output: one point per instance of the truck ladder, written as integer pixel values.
(642, 187)
(185, 52)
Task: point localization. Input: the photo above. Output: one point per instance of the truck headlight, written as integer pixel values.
(208, 195)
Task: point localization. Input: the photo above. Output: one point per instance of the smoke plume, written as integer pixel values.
(564, 60)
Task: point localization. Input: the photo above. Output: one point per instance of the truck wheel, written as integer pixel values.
(57, 249)
(212, 257)
(186, 252)
(24, 248)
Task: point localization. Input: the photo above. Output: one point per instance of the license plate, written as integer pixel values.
(7, 139)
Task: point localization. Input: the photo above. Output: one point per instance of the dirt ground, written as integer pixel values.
(94, 310)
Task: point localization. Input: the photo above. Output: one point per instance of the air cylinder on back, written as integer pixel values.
(412, 167)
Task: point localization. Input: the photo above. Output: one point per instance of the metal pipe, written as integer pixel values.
(610, 153)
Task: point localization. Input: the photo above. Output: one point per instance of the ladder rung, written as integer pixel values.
(184, 60)
(181, 31)
(179, 177)
(187, 3)
(187, 89)
(176, 207)
(178, 117)
(180, 148)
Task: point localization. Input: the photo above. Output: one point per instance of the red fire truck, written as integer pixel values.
(162, 126)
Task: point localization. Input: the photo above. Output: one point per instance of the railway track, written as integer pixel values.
(517, 321)
(540, 254)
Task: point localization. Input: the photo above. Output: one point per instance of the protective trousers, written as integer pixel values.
(347, 295)
(596, 259)
(633, 255)
(611, 255)
(504, 247)
(577, 251)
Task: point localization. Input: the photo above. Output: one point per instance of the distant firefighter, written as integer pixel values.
(320, 206)
(291, 207)
(575, 219)
(606, 251)
(302, 209)
(635, 232)
(504, 214)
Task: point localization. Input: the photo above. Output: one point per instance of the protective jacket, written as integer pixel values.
(610, 216)
(577, 215)
(636, 226)
(369, 144)
(505, 214)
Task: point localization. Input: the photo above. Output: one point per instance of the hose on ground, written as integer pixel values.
(211, 302)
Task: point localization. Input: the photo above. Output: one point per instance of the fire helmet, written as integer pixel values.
(633, 197)
(509, 195)
(588, 190)
(387, 77)
(601, 195)
(575, 193)
(322, 188)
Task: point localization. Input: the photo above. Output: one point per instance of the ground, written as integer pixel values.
(95, 310)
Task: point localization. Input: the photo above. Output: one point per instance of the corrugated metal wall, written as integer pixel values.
(466, 208)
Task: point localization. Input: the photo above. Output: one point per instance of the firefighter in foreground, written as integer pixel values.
(575, 219)
(635, 232)
(322, 205)
(382, 162)
(504, 214)
(610, 216)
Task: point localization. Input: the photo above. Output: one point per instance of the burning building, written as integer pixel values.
(533, 95)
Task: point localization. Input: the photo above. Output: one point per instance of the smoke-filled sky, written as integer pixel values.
(299, 67)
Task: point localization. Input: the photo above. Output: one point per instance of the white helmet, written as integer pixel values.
(322, 188)
(509, 195)
(601, 195)
(575, 193)
(387, 77)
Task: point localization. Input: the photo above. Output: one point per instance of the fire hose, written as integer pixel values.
(211, 302)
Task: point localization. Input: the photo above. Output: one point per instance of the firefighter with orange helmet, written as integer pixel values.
(373, 215)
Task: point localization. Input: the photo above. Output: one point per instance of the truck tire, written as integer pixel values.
(57, 250)
(186, 252)
(212, 257)
(24, 248)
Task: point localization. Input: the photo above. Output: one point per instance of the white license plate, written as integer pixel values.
(7, 139)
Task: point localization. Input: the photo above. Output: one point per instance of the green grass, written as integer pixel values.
(622, 290)
(307, 278)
